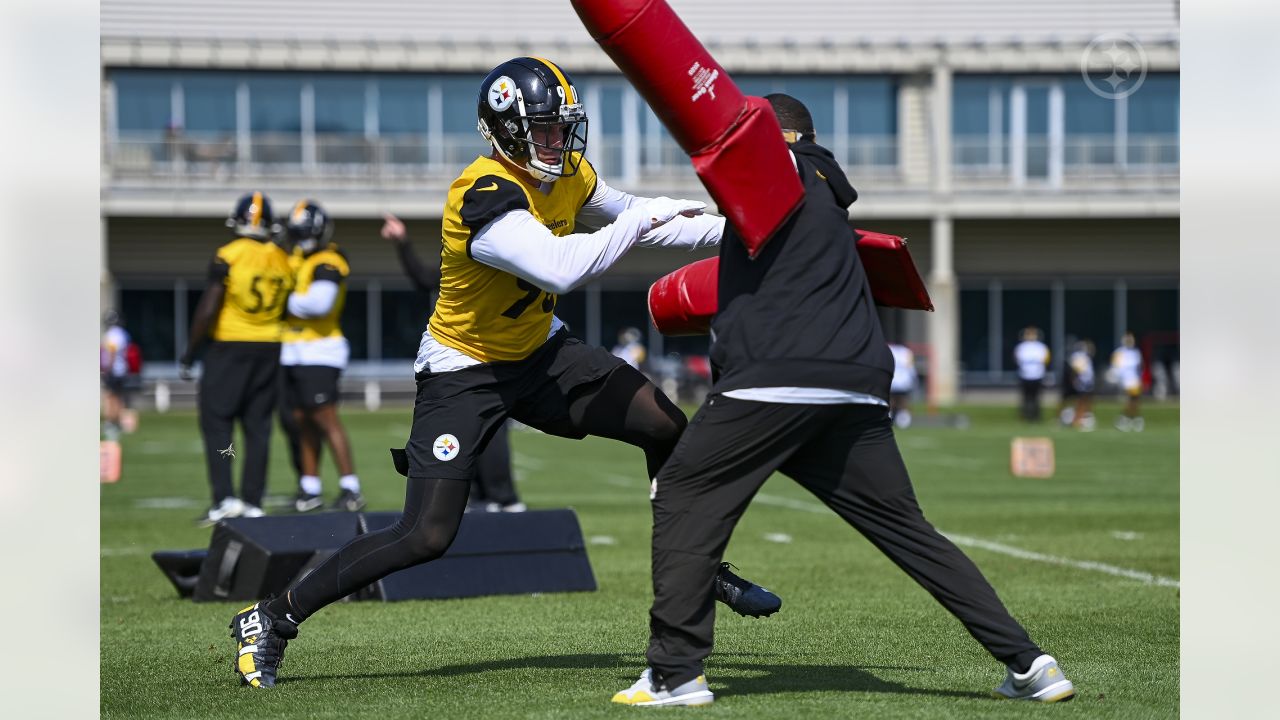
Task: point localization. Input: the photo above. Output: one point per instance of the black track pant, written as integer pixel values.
(1031, 399)
(493, 483)
(622, 405)
(846, 456)
(239, 382)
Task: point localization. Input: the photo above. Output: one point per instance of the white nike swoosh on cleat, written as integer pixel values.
(289, 617)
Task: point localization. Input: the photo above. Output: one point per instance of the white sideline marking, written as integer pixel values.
(622, 481)
(166, 503)
(1126, 535)
(526, 462)
(780, 538)
(995, 547)
(602, 540)
(116, 552)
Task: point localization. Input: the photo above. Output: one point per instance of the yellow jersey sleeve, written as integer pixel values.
(328, 264)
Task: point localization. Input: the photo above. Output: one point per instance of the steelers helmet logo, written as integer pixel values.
(446, 447)
(502, 93)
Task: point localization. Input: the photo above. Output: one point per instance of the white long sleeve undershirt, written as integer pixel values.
(316, 301)
(517, 243)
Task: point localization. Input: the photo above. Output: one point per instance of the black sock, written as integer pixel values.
(1021, 662)
(281, 608)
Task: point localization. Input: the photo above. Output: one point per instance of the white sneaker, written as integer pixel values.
(230, 507)
(1044, 682)
(644, 694)
(252, 511)
(515, 507)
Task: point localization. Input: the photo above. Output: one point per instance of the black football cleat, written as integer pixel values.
(743, 596)
(260, 643)
(349, 501)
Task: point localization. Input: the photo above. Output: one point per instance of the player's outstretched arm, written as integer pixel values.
(517, 243)
(606, 203)
(423, 277)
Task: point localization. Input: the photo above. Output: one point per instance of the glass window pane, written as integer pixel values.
(339, 104)
(403, 105)
(144, 100)
(210, 104)
(404, 318)
(461, 141)
(873, 106)
(1090, 124)
(1154, 107)
(975, 341)
(1022, 308)
(148, 316)
(275, 118)
(970, 106)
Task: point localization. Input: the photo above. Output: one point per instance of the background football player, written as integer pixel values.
(493, 348)
(314, 354)
(241, 311)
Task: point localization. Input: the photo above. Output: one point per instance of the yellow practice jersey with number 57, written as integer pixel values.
(258, 279)
(329, 264)
(484, 312)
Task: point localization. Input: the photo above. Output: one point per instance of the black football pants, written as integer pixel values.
(239, 382)
(846, 456)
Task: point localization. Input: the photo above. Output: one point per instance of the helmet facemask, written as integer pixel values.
(519, 140)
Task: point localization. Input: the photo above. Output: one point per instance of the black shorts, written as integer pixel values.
(456, 413)
(310, 386)
(114, 384)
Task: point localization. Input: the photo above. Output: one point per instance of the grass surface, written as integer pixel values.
(855, 637)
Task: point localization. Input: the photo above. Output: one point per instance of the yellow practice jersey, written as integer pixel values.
(258, 279)
(484, 312)
(327, 264)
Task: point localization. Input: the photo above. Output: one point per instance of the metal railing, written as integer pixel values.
(211, 158)
(1079, 157)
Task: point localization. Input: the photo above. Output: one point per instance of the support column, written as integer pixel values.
(943, 323)
(593, 333)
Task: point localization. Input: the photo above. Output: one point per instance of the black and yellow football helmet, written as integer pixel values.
(252, 217)
(531, 113)
(309, 227)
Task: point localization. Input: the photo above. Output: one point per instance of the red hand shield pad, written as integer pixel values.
(682, 302)
(735, 142)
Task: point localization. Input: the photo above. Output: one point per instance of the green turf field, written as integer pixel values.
(855, 637)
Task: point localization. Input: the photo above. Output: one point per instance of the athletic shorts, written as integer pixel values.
(310, 386)
(456, 413)
(114, 384)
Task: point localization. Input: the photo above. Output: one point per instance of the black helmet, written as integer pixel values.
(252, 217)
(527, 93)
(309, 226)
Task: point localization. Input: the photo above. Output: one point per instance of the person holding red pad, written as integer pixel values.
(802, 380)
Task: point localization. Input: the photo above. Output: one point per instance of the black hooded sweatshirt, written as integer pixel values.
(801, 313)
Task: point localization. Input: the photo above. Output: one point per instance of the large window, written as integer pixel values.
(1040, 128)
(275, 118)
(340, 119)
(144, 101)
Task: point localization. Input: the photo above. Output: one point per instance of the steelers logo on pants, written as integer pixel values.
(446, 447)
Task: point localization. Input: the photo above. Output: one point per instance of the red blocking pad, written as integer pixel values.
(684, 302)
(735, 142)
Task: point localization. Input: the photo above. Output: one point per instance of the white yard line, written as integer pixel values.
(967, 541)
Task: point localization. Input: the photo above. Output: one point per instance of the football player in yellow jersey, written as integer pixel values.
(521, 226)
(314, 354)
(241, 312)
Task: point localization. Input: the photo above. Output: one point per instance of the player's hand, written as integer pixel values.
(664, 209)
(185, 372)
(392, 228)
